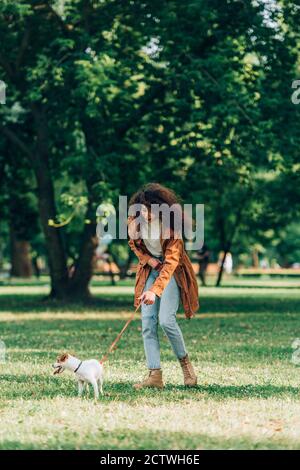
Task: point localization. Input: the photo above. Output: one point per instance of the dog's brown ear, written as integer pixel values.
(63, 357)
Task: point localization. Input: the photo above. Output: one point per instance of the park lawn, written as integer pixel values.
(248, 394)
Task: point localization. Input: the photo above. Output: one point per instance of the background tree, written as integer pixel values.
(104, 96)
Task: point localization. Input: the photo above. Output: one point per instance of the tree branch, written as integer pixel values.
(65, 26)
(23, 47)
(157, 91)
(12, 136)
(6, 66)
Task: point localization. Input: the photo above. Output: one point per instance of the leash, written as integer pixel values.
(112, 346)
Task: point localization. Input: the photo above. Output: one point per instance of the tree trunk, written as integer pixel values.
(84, 266)
(112, 276)
(221, 270)
(21, 265)
(226, 242)
(123, 268)
(255, 258)
(221, 228)
(47, 210)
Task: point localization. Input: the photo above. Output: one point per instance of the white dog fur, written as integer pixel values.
(87, 372)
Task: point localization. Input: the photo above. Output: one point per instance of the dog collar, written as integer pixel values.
(77, 367)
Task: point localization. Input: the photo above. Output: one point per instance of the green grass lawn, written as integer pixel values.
(248, 394)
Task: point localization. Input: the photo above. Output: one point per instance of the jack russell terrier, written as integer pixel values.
(87, 372)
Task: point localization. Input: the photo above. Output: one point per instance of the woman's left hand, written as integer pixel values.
(155, 264)
(148, 297)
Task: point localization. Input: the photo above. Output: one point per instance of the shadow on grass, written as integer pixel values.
(214, 390)
(244, 391)
(115, 302)
(32, 303)
(257, 286)
(39, 387)
(128, 439)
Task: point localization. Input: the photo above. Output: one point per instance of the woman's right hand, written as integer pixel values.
(155, 264)
(147, 297)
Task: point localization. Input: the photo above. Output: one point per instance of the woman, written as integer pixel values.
(164, 275)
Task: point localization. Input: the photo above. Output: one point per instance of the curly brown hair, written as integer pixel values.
(154, 193)
(157, 194)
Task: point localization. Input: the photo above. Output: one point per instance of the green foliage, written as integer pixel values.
(194, 95)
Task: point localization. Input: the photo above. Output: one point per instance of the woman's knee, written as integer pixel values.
(168, 324)
(149, 326)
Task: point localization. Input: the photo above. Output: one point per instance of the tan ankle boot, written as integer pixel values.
(153, 380)
(189, 376)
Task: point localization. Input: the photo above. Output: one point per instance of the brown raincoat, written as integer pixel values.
(175, 261)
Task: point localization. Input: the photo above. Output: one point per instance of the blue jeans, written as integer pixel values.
(163, 310)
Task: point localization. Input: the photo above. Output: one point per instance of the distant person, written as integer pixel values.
(228, 263)
(264, 263)
(203, 257)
